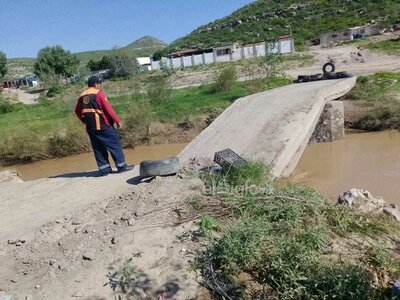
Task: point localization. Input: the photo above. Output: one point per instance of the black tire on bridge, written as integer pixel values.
(303, 78)
(325, 67)
(150, 168)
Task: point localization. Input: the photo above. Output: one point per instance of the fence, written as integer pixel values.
(281, 47)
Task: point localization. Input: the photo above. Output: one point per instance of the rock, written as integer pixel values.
(361, 200)
(77, 295)
(76, 221)
(114, 241)
(60, 220)
(88, 256)
(62, 268)
(52, 261)
(131, 222)
(28, 297)
(392, 211)
(37, 286)
(125, 217)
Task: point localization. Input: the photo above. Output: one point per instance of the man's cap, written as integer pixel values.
(94, 79)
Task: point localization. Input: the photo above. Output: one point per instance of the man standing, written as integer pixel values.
(94, 110)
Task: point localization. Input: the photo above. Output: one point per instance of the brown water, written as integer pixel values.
(86, 161)
(369, 161)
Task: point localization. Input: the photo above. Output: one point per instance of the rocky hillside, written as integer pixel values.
(307, 19)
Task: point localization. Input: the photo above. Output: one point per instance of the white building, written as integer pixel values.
(144, 63)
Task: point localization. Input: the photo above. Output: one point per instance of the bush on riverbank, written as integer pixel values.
(291, 243)
(380, 93)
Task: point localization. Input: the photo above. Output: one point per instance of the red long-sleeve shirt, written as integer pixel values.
(110, 116)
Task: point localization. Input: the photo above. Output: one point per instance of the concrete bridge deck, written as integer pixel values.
(273, 126)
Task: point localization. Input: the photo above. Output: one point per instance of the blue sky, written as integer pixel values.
(81, 25)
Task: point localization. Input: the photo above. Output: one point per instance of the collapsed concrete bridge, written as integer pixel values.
(273, 126)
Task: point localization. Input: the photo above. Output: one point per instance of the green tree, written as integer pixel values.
(104, 63)
(55, 62)
(3, 64)
(122, 65)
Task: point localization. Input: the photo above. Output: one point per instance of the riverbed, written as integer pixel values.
(369, 161)
(86, 162)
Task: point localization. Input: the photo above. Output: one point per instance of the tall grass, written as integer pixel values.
(136, 123)
(226, 78)
(379, 93)
(159, 89)
(283, 238)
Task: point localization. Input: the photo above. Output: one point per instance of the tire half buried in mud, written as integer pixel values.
(150, 168)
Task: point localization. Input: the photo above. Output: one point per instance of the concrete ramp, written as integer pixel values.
(273, 126)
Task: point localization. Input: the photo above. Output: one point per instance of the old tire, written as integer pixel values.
(329, 64)
(149, 168)
(316, 77)
(303, 78)
(330, 75)
(343, 74)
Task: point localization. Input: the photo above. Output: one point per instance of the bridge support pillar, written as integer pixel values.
(330, 126)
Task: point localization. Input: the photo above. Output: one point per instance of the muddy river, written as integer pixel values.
(369, 160)
(86, 161)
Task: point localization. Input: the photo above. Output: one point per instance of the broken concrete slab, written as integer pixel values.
(273, 126)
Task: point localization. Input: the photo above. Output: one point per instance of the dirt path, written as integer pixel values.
(352, 58)
(22, 96)
(81, 253)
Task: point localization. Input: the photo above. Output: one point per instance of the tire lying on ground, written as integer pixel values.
(330, 75)
(303, 78)
(316, 77)
(343, 74)
(149, 168)
(325, 67)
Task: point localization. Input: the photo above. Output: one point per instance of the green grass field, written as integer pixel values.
(389, 46)
(50, 128)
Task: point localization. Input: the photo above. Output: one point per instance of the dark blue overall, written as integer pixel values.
(104, 138)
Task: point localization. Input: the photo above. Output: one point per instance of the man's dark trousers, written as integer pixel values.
(102, 141)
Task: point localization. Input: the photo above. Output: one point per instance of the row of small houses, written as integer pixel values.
(21, 81)
(224, 53)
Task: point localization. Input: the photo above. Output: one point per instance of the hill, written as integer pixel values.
(267, 19)
(144, 46)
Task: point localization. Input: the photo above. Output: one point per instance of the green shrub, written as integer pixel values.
(159, 89)
(56, 90)
(208, 224)
(136, 123)
(255, 86)
(24, 143)
(70, 140)
(251, 173)
(380, 119)
(226, 78)
(7, 106)
(283, 240)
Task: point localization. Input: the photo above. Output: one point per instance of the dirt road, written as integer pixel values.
(22, 96)
(352, 58)
(73, 237)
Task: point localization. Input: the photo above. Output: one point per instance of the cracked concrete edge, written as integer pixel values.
(286, 164)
